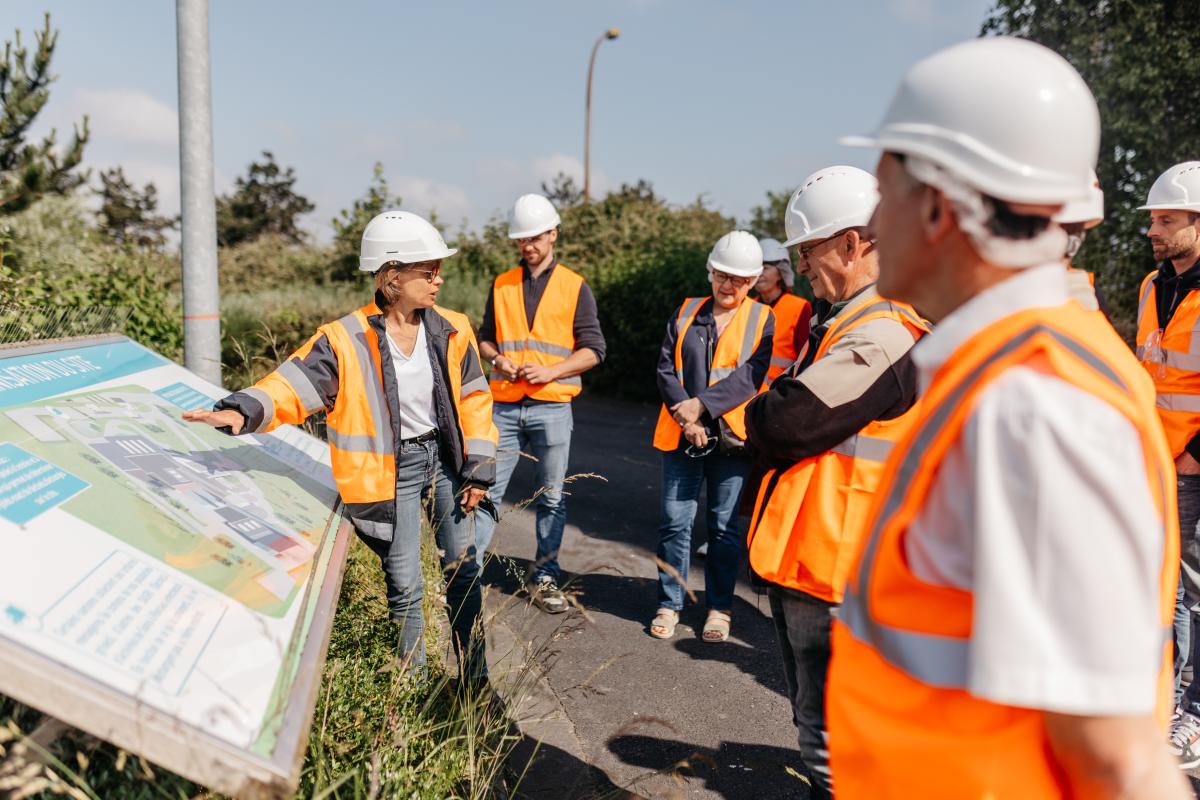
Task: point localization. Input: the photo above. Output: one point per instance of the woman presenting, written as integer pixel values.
(714, 359)
(409, 418)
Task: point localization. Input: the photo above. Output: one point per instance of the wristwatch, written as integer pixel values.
(494, 359)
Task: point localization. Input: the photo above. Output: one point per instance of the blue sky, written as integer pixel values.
(470, 104)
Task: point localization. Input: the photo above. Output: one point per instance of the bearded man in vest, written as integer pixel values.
(822, 432)
(1005, 629)
(1169, 348)
(540, 332)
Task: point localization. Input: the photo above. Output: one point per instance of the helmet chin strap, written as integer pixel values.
(1074, 242)
(974, 211)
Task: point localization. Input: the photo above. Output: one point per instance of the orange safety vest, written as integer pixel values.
(788, 310)
(551, 341)
(808, 519)
(901, 721)
(361, 445)
(735, 346)
(1172, 357)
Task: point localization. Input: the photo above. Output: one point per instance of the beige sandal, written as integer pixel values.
(664, 622)
(716, 627)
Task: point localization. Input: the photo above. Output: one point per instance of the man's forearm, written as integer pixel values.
(488, 351)
(1115, 758)
(577, 363)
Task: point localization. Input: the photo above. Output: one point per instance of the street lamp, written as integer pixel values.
(611, 33)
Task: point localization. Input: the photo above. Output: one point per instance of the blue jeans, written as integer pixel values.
(426, 486)
(1187, 605)
(682, 477)
(803, 625)
(543, 430)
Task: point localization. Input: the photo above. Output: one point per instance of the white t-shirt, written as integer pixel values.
(1042, 511)
(414, 385)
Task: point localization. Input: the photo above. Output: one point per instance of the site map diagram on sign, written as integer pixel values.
(195, 499)
(166, 561)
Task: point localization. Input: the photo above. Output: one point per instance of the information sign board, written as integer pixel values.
(162, 585)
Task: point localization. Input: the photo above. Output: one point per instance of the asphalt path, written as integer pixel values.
(615, 712)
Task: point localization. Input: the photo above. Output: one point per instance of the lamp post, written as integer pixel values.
(198, 239)
(611, 33)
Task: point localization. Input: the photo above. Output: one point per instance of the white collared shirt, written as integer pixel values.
(1042, 510)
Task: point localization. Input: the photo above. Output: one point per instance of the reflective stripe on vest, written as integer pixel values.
(379, 441)
(551, 339)
(746, 327)
(1172, 358)
(809, 518)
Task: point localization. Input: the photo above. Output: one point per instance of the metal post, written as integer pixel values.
(198, 245)
(611, 33)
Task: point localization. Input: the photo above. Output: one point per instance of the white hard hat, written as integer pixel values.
(1177, 189)
(402, 236)
(1089, 211)
(828, 201)
(773, 251)
(1010, 118)
(737, 253)
(531, 214)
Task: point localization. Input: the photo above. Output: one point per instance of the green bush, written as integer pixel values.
(54, 257)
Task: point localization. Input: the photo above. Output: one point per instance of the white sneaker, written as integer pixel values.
(1182, 741)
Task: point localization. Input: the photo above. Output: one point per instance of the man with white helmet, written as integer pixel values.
(1077, 218)
(1168, 318)
(792, 312)
(1004, 632)
(823, 431)
(540, 332)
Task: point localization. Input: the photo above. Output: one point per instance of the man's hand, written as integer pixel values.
(506, 367)
(688, 412)
(226, 418)
(696, 435)
(1186, 465)
(471, 497)
(537, 373)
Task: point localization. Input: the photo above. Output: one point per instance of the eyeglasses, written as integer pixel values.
(804, 252)
(733, 280)
(415, 269)
(531, 239)
(691, 451)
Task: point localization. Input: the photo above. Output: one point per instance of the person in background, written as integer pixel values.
(1167, 344)
(540, 332)
(409, 420)
(792, 312)
(1004, 627)
(792, 316)
(714, 358)
(1077, 218)
(834, 414)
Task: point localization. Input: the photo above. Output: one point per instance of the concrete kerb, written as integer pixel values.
(517, 672)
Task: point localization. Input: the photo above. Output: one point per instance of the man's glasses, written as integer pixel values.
(531, 239)
(736, 282)
(691, 451)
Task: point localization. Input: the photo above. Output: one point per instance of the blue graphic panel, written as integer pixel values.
(30, 486)
(185, 397)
